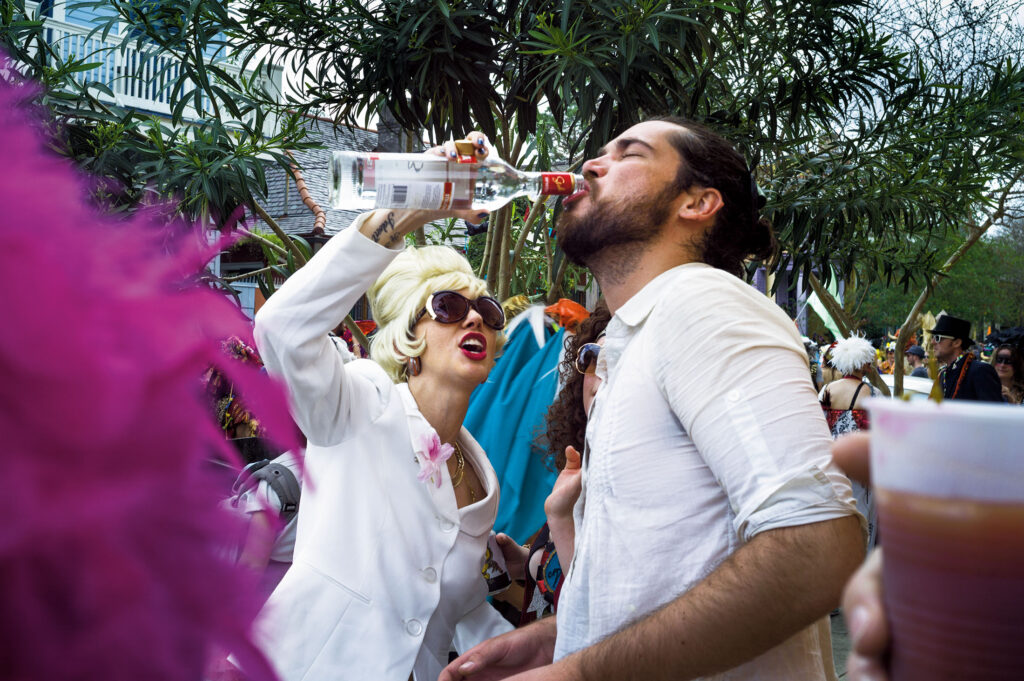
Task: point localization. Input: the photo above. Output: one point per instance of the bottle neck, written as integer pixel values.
(558, 184)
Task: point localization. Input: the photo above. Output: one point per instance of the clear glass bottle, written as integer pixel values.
(368, 180)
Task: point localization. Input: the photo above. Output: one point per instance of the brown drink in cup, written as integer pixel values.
(949, 480)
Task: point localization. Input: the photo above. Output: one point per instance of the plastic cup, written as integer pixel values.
(949, 481)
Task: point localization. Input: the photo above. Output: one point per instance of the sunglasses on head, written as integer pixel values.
(586, 358)
(449, 307)
(1003, 359)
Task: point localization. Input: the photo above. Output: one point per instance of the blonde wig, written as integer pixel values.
(402, 291)
(851, 354)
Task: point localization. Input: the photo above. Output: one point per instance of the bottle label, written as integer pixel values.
(557, 184)
(419, 185)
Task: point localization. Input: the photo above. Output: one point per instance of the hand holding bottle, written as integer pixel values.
(388, 226)
(461, 179)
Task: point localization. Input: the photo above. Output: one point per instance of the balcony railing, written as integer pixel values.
(138, 79)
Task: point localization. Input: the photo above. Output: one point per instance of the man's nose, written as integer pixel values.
(594, 167)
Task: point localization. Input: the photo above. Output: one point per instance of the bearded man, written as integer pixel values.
(713, 534)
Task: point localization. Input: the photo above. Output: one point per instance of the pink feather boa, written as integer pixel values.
(109, 563)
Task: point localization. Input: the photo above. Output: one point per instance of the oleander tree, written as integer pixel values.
(867, 150)
(870, 148)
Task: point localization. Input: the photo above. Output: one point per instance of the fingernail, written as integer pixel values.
(453, 154)
(481, 141)
(858, 623)
(481, 151)
(467, 667)
(481, 215)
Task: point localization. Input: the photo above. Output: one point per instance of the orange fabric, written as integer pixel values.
(367, 326)
(567, 313)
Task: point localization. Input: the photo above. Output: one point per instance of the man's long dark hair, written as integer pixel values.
(709, 160)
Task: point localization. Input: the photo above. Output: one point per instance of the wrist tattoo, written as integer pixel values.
(387, 226)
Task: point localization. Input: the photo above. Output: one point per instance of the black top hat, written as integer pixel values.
(947, 325)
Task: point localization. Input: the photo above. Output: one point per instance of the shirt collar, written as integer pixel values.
(636, 309)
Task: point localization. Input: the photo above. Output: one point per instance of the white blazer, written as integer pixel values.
(374, 546)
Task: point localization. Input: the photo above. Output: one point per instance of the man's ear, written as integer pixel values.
(700, 204)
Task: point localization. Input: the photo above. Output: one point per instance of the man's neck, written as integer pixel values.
(622, 271)
(957, 356)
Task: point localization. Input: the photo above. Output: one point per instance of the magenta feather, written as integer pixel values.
(109, 546)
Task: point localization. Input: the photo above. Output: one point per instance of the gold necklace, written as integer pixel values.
(460, 466)
(460, 472)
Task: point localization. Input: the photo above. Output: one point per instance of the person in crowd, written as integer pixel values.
(399, 499)
(843, 403)
(269, 540)
(713, 532)
(1010, 368)
(828, 372)
(541, 564)
(889, 363)
(915, 358)
(963, 377)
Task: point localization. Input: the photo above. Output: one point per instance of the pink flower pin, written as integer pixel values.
(432, 455)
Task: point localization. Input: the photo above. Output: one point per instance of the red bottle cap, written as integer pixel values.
(557, 184)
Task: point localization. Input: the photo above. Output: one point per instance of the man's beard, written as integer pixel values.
(583, 237)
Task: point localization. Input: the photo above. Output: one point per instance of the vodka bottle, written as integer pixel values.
(367, 180)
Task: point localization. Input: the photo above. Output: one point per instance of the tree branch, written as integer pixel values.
(300, 260)
(535, 211)
(845, 327)
(266, 242)
(975, 233)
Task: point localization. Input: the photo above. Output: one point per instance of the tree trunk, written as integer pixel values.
(505, 280)
(535, 213)
(555, 291)
(497, 223)
(485, 257)
(845, 327)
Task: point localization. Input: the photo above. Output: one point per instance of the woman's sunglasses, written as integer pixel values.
(586, 358)
(1002, 359)
(449, 307)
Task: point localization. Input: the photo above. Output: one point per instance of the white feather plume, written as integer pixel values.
(850, 354)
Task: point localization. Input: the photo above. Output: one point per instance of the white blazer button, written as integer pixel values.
(447, 525)
(413, 627)
(430, 574)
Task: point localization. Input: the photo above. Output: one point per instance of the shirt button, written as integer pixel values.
(734, 396)
(447, 525)
(413, 627)
(430, 574)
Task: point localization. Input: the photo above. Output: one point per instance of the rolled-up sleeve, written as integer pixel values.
(741, 388)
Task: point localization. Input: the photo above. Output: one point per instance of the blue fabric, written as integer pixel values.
(506, 416)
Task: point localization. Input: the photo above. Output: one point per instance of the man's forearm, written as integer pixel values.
(770, 589)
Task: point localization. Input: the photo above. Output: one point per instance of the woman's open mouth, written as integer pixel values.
(474, 346)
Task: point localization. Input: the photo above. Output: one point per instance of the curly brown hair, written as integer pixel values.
(566, 420)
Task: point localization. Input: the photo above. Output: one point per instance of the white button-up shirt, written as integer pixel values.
(706, 431)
